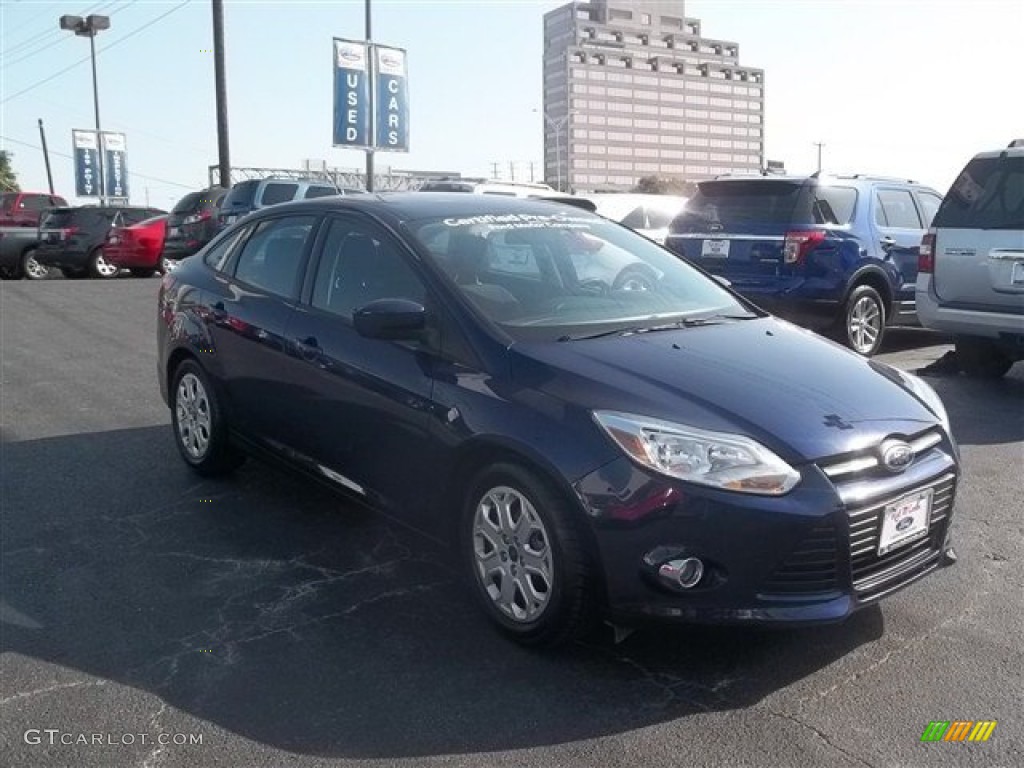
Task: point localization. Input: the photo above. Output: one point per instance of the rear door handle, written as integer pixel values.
(888, 242)
(308, 347)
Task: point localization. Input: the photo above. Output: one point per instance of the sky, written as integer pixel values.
(907, 88)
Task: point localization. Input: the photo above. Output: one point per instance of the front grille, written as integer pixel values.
(811, 567)
(874, 574)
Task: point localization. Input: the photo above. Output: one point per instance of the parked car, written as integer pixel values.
(17, 254)
(72, 239)
(835, 254)
(588, 450)
(251, 195)
(137, 247)
(970, 279)
(22, 209)
(650, 215)
(191, 224)
(507, 189)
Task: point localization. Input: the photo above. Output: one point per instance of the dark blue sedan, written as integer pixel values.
(598, 428)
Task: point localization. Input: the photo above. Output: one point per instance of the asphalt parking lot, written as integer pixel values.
(283, 628)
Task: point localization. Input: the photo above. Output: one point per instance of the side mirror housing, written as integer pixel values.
(393, 319)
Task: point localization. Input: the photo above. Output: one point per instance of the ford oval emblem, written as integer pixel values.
(905, 523)
(897, 455)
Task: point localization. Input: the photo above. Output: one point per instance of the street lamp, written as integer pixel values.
(89, 27)
(557, 125)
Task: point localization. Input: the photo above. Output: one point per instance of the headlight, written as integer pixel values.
(928, 396)
(716, 459)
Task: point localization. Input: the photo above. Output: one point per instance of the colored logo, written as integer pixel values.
(897, 455)
(905, 523)
(347, 54)
(958, 730)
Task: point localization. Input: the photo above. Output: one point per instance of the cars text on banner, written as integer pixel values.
(392, 99)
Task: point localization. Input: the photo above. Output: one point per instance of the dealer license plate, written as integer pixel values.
(905, 520)
(715, 249)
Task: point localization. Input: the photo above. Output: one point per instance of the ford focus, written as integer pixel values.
(597, 428)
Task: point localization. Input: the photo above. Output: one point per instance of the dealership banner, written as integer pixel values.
(87, 163)
(351, 94)
(114, 165)
(392, 99)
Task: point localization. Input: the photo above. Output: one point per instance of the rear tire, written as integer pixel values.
(982, 359)
(863, 321)
(524, 557)
(200, 429)
(101, 268)
(32, 269)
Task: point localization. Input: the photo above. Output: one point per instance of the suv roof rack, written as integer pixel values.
(1015, 143)
(873, 177)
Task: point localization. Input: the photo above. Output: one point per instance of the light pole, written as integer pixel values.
(819, 145)
(557, 125)
(89, 27)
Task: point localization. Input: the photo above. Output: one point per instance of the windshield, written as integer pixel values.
(550, 276)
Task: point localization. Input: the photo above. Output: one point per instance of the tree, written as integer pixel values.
(665, 185)
(8, 178)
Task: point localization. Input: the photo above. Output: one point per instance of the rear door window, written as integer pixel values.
(272, 258)
(217, 256)
(275, 193)
(988, 194)
(895, 208)
(319, 191)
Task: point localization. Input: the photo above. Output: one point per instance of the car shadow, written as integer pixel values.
(983, 411)
(269, 607)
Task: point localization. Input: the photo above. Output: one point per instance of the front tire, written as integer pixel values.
(100, 267)
(200, 429)
(982, 359)
(525, 558)
(863, 322)
(32, 269)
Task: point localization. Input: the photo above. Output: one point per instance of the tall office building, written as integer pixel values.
(632, 89)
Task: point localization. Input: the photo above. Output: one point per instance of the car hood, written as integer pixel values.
(800, 395)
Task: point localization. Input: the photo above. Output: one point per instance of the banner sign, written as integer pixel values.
(351, 94)
(87, 163)
(114, 167)
(392, 99)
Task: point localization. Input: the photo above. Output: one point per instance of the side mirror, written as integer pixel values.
(394, 319)
(723, 280)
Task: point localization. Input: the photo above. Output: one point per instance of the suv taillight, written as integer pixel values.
(926, 254)
(799, 243)
(67, 232)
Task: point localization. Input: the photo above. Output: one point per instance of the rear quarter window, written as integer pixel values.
(834, 205)
(313, 192)
(275, 193)
(988, 194)
(189, 203)
(242, 193)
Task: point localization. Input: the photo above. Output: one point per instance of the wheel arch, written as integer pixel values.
(877, 279)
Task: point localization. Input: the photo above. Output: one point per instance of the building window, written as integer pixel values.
(645, 18)
(671, 22)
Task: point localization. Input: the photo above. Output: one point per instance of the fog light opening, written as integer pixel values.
(685, 573)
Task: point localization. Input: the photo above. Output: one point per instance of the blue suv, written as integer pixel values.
(835, 254)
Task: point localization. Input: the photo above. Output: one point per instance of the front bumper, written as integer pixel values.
(805, 558)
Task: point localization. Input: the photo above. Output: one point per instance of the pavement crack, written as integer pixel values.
(820, 734)
(154, 757)
(53, 689)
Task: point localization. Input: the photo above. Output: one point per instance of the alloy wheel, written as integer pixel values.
(192, 410)
(512, 553)
(103, 267)
(32, 268)
(864, 325)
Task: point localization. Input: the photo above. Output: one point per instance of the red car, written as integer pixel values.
(137, 247)
(22, 209)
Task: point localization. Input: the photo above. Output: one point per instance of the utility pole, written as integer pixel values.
(220, 87)
(373, 138)
(819, 145)
(46, 155)
(494, 170)
(532, 178)
(512, 170)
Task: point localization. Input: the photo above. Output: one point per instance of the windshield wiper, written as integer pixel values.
(675, 325)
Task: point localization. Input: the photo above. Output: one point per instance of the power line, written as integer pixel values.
(50, 31)
(71, 157)
(58, 41)
(98, 52)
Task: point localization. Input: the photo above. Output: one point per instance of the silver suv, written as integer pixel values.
(970, 278)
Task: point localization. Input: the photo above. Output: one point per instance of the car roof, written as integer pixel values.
(409, 206)
(1004, 152)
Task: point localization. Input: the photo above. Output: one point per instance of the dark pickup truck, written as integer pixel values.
(17, 248)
